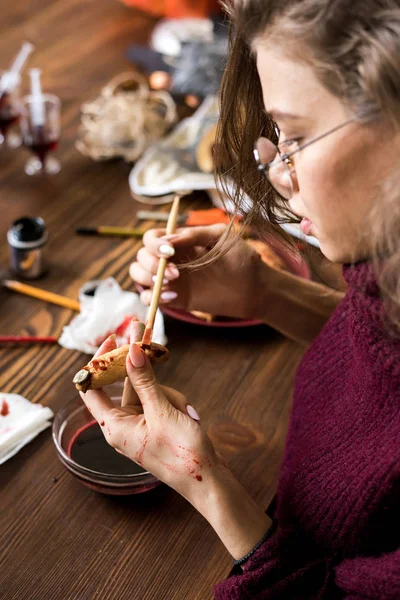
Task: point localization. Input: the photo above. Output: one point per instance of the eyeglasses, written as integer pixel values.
(278, 167)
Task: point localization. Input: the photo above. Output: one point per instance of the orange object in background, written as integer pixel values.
(209, 216)
(153, 7)
(177, 9)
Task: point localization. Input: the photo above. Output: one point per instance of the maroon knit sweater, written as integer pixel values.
(339, 491)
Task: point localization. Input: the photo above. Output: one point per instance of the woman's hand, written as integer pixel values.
(229, 287)
(155, 426)
(158, 429)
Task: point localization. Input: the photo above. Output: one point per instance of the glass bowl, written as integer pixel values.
(74, 418)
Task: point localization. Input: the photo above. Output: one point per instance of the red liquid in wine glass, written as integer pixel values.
(41, 142)
(8, 114)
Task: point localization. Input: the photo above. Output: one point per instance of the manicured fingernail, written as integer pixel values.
(192, 412)
(112, 337)
(168, 296)
(166, 250)
(165, 281)
(137, 356)
(172, 272)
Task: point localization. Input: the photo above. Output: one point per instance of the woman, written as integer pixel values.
(326, 75)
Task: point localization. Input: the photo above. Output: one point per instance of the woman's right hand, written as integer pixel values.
(229, 287)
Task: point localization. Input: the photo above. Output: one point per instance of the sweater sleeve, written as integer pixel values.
(370, 578)
(285, 568)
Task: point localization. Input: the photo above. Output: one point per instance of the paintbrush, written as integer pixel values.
(155, 299)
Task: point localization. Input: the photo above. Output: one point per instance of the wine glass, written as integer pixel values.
(10, 112)
(41, 137)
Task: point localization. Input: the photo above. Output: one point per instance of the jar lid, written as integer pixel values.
(27, 232)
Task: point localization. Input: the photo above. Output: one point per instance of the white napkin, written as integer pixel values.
(109, 311)
(20, 422)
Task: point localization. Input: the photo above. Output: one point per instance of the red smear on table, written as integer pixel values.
(5, 409)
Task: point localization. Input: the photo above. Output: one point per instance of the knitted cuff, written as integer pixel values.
(265, 537)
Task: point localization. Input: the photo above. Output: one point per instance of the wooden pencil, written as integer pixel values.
(34, 292)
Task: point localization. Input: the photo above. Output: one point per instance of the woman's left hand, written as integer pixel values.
(155, 426)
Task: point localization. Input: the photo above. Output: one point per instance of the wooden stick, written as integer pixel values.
(155, 299)
(28, 290)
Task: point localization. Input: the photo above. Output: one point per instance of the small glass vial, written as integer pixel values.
(26, 239)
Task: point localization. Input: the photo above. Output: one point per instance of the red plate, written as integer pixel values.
(296, 265)
(187, 317)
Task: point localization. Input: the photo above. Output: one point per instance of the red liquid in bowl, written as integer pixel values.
(89, 449)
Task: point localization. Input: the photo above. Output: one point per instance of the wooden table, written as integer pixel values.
(58, 539)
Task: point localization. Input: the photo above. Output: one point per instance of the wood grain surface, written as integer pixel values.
(58, 539)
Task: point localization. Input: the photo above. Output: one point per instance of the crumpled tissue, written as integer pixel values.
(106, 309)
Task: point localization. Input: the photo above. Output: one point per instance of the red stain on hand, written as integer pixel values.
(139, 454)
(124, 442)
(5, 409)
(187, 458)
(180, 469)
(102, 424)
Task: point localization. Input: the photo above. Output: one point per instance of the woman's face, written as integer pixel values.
(339, 175)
